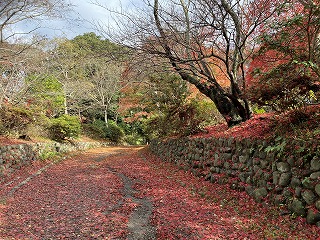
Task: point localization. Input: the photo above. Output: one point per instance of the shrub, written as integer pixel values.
(301, 123)
(65, 127)
(114, 132)
(285, 87)
(14, 120)
(184, 120)
(135, 139)
(47, 155)
(96, 129)
(206, 112)
(99, 129)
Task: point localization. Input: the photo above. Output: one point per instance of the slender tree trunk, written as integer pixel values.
(65, 101)
(106, 115)
(65, 105)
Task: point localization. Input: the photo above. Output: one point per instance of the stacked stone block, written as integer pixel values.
(14, 157)
(249, 165)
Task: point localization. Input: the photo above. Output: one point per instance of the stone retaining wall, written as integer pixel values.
(15, 156)
(257, 167)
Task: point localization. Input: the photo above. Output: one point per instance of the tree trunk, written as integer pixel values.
(65, 105)
(65, 101)
(106, 115)
(233, 109)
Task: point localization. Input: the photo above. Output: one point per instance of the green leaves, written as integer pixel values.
(278, 147)
(46, 92)
(65, 127)
(306, 64)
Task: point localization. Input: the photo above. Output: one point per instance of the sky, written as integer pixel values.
(79, 20)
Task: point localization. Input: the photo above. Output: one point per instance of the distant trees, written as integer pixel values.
(80, 77)
(103, 70)
(45, 93)
(65, 62)
(19, 59)
(105, 89)
(17, 62)
(89, 70)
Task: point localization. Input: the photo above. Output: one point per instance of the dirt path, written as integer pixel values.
(126, 193)
(83, 197)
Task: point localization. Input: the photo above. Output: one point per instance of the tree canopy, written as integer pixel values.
(147, 69)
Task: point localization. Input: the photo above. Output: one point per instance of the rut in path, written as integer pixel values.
(139, 226)
(139, 222)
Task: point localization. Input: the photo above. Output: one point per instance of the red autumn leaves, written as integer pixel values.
(81, 198)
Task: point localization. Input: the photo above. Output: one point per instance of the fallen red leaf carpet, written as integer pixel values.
(127, 193)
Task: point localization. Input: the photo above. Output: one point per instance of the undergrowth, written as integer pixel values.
(296, 133)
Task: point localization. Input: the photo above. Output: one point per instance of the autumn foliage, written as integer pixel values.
(284, 72)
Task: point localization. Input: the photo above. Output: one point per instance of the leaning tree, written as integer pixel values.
(207, 42)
